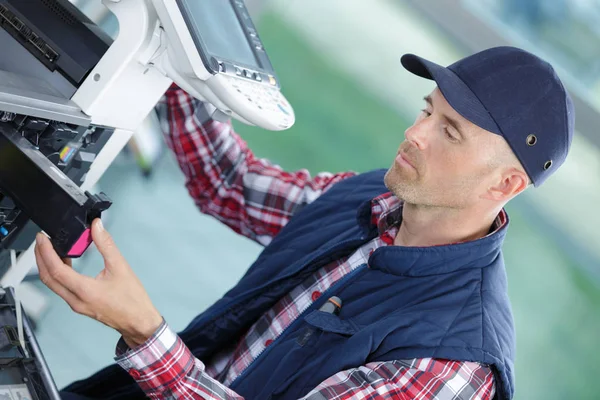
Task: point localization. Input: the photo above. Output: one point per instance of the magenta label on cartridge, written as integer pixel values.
(82, 244)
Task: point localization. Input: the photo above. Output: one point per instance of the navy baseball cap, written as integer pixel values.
(512, 93)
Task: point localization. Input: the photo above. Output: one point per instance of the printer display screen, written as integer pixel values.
(215, 24)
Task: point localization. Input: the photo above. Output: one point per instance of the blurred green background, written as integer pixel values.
(338, 61)
(338, 126)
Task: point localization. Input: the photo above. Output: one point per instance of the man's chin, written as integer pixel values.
(394, 177)
(388, 179)
(400, 186)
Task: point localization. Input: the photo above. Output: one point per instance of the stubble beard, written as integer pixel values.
(402, 185)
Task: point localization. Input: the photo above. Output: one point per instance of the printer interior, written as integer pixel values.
(47, 145)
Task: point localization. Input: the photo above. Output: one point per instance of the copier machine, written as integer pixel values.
(71, 97)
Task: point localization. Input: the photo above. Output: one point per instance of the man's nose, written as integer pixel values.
(417, 135)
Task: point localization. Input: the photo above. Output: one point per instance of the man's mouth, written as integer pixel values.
(403, 159)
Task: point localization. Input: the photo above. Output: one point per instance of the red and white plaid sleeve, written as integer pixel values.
(164, 368)
(426, 379)
(251, 195)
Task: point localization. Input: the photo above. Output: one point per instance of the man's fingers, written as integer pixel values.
(53, 285)
(58, 271)
(106, 246)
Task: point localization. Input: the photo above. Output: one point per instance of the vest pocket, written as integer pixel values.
(331, 323)
(317, 340)
(323, 322)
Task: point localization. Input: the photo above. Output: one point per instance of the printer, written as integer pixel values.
(71, 98)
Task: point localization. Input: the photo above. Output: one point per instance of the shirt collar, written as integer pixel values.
(386, 212)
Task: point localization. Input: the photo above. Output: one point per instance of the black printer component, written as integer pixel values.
(11, 218)
(22, 368)
(43, 163)
(57, 34)
(37, 188)
(30, 39)
(56, 45)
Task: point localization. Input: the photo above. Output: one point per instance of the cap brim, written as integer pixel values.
(454, 90)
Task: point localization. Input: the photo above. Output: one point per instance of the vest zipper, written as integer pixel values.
(218, 312)
(298, 320)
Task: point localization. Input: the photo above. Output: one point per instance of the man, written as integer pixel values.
(379, 285)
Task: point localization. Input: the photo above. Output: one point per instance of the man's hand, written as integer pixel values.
(115, 297)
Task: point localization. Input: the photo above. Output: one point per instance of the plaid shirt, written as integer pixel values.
(256, 198)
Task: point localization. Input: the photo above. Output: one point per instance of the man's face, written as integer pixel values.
(445, 161)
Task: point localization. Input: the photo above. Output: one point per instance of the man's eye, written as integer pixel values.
(427, 113)
(452, 138)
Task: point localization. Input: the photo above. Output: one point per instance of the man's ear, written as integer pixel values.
(510, 183)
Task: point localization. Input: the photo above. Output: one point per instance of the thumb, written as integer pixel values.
(106, 246)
